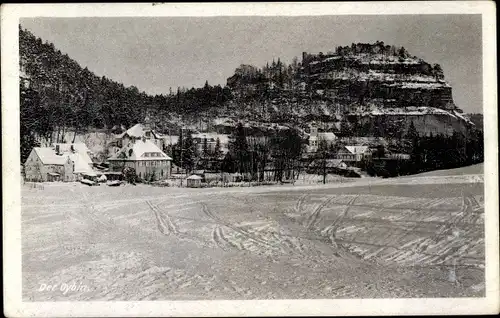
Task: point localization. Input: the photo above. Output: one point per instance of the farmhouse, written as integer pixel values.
(353, 153)
(149, 161)
(63, 162)
(84, 153)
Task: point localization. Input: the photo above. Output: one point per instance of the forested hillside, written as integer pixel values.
(57, 94)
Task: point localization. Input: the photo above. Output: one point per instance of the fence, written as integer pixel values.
(303, 179)
(34, 185)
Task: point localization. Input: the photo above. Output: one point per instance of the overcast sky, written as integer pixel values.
(155, 54)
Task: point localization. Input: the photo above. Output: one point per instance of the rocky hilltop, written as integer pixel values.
(370, 86)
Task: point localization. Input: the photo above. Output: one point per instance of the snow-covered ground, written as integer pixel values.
(366, 238)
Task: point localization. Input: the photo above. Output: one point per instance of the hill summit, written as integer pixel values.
(368, 85)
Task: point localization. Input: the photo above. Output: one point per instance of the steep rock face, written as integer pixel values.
(378, 77)
(368, 83)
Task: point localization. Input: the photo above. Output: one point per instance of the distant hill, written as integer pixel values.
(380, 89)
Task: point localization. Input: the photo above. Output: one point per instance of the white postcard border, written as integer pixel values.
(15, 307)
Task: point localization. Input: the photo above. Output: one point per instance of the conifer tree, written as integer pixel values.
(217, 150)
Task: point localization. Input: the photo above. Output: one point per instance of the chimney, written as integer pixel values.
(143, 138)
(72, 148)
(57, 150)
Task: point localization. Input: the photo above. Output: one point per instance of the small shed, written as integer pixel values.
(193, 181)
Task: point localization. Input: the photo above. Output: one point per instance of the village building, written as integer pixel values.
(83, 151)
(62, 162)
(353, 154)
(193, 181)
(210, 139)
(148, 160)
(137, 132)
(315, 138)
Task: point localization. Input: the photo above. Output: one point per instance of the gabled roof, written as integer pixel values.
(48, 156)
(138, 131)
(81, 163)
(327, 135)
(140, 150)
(79, 148)
(356, 149)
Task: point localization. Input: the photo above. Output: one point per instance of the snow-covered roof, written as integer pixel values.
(356, 149)
(138, 131)
(81, 163)
(48, 156)
(194, 177)
(140, 150)
(66, 147)
(135, 131)
(327, 135)
(79, 148)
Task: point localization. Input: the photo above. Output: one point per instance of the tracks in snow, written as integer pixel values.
(448, 240)
(246, 234)
(163, 220)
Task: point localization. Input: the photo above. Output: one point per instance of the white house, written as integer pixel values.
(149, 161)
(137, 132)
(62, 162)
(353, 153)
(76, 148)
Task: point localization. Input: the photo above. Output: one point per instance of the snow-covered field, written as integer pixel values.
(366, 238)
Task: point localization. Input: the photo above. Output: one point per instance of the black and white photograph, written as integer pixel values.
(250, 157)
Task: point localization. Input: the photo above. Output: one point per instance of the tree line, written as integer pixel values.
(278, 152)
(432, 152)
